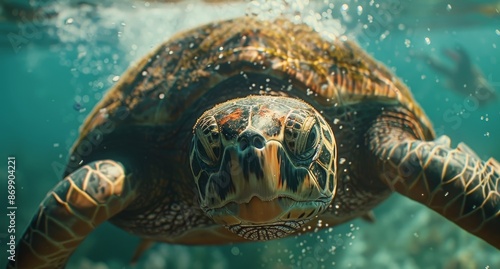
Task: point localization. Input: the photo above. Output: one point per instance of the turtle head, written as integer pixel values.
(263, 165)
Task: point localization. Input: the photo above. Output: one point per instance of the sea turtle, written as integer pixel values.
(248, 129)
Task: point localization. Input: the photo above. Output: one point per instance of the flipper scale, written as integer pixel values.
(452, 181)
(79, 203)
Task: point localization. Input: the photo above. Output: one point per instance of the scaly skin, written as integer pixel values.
(454, 182)
(86, 198)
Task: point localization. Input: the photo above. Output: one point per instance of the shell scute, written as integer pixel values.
(164, 86)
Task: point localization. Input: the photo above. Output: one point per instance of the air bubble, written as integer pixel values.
(235, 251)
(360, 10)
(407, 43)
(370, 19)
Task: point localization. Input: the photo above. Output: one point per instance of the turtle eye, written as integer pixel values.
(301, 135)
(311, 142)
(208, 144)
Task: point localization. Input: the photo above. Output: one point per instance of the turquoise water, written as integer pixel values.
(54, 70)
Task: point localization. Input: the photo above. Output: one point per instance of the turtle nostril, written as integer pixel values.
(258, 142)
(251, 139)
(243, 143)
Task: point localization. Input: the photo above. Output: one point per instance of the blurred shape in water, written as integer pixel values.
(465, 77)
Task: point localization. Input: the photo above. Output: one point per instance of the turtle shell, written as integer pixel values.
(157, 101)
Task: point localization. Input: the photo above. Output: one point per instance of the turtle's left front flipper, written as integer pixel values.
(84, 199)
(452, 181)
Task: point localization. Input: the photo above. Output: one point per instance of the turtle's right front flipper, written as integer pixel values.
(454, 182)
(84, 199)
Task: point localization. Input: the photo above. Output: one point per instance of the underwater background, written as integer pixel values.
(58, 58)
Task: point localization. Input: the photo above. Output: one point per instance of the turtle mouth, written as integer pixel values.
(266, 232)
(258, 219)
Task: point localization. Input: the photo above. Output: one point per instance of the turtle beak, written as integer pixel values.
(250, 212)
(259, 168)
(262, 188)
